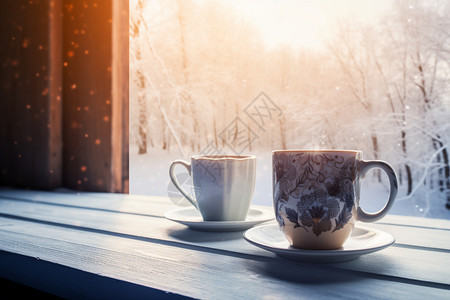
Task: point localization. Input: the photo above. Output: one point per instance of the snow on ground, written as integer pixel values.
(149, 175)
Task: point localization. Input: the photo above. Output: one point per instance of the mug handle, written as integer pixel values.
(363, 168)
(177, 184)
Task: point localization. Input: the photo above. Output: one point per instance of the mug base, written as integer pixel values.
(224, 217)
(301, 239)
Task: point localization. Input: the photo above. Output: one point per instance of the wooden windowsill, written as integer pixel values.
(99, 245)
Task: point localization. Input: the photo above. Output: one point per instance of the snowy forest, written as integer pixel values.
(200, 70)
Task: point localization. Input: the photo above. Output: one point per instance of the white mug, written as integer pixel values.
(223, 185)
(316, 195)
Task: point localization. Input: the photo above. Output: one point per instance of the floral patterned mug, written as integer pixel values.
(316, 195)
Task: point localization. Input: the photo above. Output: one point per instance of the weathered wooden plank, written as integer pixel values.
(87, 85)
(416, 262)
(30, 93)
(120, 95)
(138, 211)
(95, 153)
(80, 55)
(188, 271)
(415, 222)
(134, 204)
(417, 236)
(156, 205)
(50, 279)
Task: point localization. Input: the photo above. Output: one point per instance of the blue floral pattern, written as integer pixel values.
(315, 191)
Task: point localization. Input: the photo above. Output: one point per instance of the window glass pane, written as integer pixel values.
(249, 77)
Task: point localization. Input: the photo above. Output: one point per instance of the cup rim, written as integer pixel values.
(316, 150)
(223, 157)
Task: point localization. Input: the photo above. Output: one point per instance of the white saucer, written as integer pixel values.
(193, 219)
(362, 241)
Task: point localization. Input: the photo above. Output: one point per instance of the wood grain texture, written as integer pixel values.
(54, 278)
(126, 237)
(412, 263)
(120, 94)
(87, 86)
(158, 205)
(194, 273)
(64, 95)
(95, 90)
(30, 92)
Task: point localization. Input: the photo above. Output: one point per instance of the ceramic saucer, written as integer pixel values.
(362, 241)
(193, 219)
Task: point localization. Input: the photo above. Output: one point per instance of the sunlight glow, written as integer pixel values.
(303, 23)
